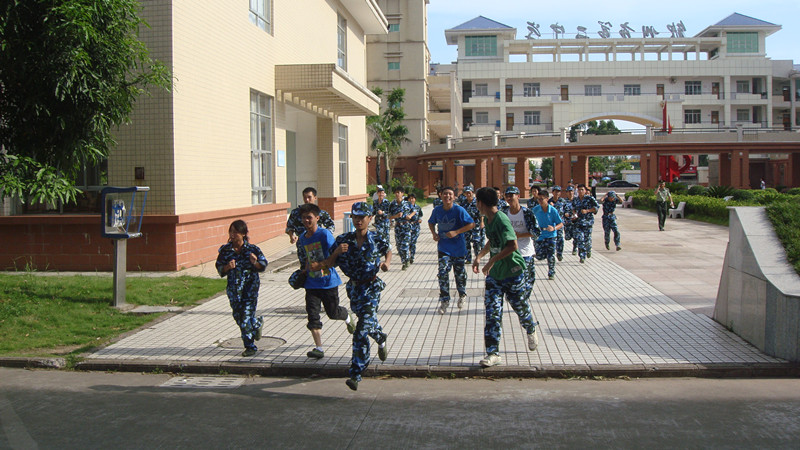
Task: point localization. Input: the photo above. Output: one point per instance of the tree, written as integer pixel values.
(547, 168)
(387, 130)
(593, 127)
(70, 72)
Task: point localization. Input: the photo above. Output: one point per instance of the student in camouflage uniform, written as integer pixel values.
(586, 207)
(294, 225)
(402, 214)
(358, 254)
(381, 207)
(415, 226)
(534, 199)
(524, 223)
(558, 203)
(570, 217)
(549, 222)
(502, 205)
(438, 200)
(505, 277)
(473, 238)
(240, 261)
(610, 202)
(452, 222)
(461, 200)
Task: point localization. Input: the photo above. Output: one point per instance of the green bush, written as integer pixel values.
(676, 188)
(743, 194)
(697, 190)
(719, 191)
(785, 217)
(794, 191)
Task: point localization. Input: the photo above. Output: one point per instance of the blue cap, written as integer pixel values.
(611, 194)
(570, 188)
(379, 188)
(556, 188)
(361, 209)
(467, 189)
(512, 190)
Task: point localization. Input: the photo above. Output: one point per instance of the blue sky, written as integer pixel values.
(695, 15)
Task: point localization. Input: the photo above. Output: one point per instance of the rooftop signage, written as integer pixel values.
(676, 30)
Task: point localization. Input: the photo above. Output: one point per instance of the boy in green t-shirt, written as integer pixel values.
(505, 275)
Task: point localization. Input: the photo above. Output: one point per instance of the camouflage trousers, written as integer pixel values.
(583, 238)
(609, 225)
(364, 302)
(459, 272)
(244, 313)
(560, 241)
(402, 238)
(474, 240)
(412, 241)
(530, 275)
(546, 249)
(513, 288)
(382, 227)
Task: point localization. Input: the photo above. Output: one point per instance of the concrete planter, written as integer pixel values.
(759, 292)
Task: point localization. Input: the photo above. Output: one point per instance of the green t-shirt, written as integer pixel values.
(499, 232)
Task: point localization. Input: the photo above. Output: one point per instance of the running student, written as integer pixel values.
(549, 221)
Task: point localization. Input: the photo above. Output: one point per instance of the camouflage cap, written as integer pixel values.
(361, 209)
(512, 190)
(570, 188)
(611, 194)
(556, 188)
(379, 189)
(467, 189)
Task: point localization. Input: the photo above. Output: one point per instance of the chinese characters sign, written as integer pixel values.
(605, 30)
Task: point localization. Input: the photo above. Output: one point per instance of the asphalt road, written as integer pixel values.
(62, 409)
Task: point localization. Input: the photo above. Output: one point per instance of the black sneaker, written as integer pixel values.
(607, 247)
(588, 255)
(383, 352)
(249, 352)
(352, 383)
(583, 260)
(559, 257)
(258, 332)
(315, 353)
(619, 248)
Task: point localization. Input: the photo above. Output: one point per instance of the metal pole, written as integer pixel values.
(120, 261)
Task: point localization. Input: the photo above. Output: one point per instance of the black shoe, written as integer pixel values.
(249, 352)
(258, 332)
(619, 248)
(583, 260)
(607, 247)
(588, 255)
(315, 353)
(383, 352)
(559, 257)
(352, 383)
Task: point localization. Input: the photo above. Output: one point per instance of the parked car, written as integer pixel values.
(622, 183)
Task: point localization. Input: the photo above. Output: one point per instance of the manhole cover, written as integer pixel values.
(266, 343)
(299, 310)
(204, 382)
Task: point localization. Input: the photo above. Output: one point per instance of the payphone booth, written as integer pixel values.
(122, 210)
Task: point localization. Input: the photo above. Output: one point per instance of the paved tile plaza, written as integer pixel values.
(598, 315)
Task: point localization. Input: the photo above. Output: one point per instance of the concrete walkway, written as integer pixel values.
(642, 311)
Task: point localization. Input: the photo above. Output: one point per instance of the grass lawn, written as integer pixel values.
(66, 315)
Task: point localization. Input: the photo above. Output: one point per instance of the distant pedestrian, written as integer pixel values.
(358, 253)
(294, 224)
(502, 205)
(585, 207)
(549, 221)
(448, 223)
(381, 208)
(505, 277)
(415, 226)
(763, 184)
(594, 187)
(559, 204)
(438, 200)
(570, 217)
(534, 197)
(610, 202)
(662, 195)
(322, 285)
(475, 237)
(240, 261)
(400, 211)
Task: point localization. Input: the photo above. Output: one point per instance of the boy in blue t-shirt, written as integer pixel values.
(322, 286)
(549, 220)
(452, 222)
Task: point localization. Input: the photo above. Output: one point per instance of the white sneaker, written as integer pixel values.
(491, 360)
(443, 307)
(533, 340)
(461, 301)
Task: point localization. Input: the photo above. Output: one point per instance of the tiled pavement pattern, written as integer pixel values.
(596, 314)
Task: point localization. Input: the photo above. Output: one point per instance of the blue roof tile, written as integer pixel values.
(481, 23)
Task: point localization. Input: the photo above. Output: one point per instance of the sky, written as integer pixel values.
(696, 15)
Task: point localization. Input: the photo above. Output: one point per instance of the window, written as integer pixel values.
(533, 118)
(531, 90)
(394, 27)
(592, 90)
(260, 14)
(691, 116)
(742, 115)
(480, 46)
(341, 34)
(394, 65)
(693, 87)
(482, 117)
(742, 42)
(714, 116)
(261, 147)
(481, 90)
(632, 89)
(742, 86)
(342, 160)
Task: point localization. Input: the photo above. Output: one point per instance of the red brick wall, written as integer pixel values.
(168, 243)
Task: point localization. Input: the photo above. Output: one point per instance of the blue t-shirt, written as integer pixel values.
(551, 217)
(314, 249)
(448, 220)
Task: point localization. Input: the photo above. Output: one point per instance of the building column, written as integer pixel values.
(580, 170)
(495, 172)
(793, 170)
(522, 173)
(480, 172)
(449, 174)
(740, 169)
(648, 162)
(725, 169)
(768, 107)
(459, 181)
(726, 109)
(561, 169)
(327, 167)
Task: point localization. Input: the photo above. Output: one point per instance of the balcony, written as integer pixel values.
(325, 89)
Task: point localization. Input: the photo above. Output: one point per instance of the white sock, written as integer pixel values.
(382, 345)
(319, 348)
(347, 319)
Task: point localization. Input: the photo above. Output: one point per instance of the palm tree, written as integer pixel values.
(387, 130)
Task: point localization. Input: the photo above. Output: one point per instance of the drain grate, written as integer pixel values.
(266, 343)
(204, 382)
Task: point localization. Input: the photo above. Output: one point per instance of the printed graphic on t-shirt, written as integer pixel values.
(314, 253)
